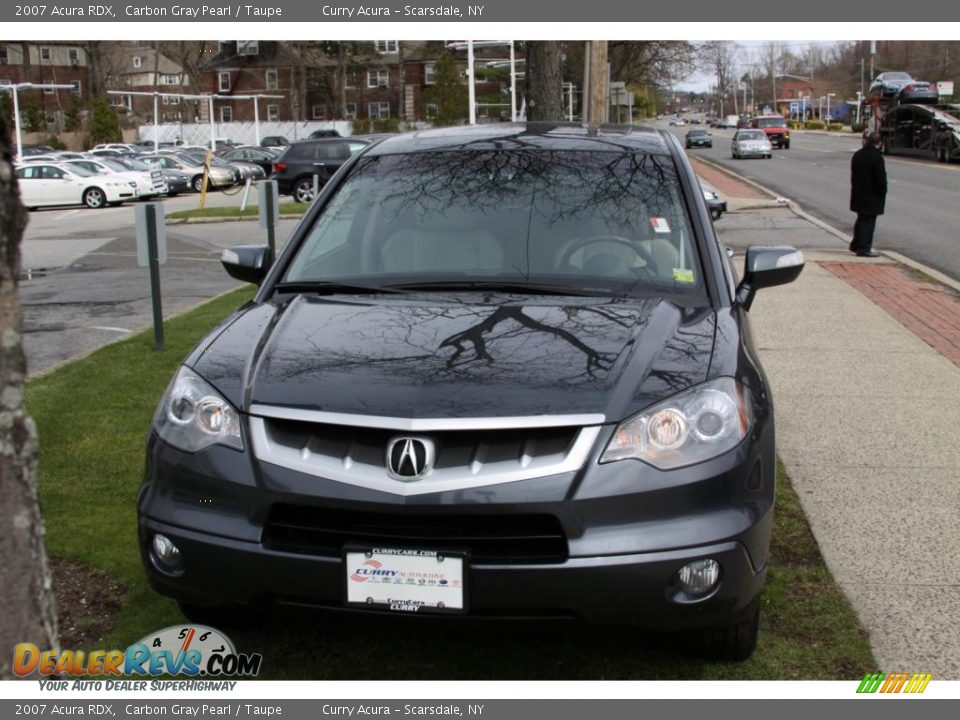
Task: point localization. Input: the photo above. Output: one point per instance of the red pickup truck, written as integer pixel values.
(776, 129)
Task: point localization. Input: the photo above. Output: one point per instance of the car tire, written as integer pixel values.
(732, 643)
(303, 190)
(197, 183)
(94, 198)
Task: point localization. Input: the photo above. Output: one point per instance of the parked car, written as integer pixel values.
(776, 129)
(148, 182)
(751, 143)
(919, 92)
(294, 171)
(731, 121)
(274, 141)
(327, 133)
(698, 138)
(715, 204)
(46, 184)
(471, 368)
(251, 154)
(676, 122)
(177, 182)
(219, 177)
(889, 84)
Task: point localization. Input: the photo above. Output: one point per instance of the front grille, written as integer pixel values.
(464, 458)
(489, 539)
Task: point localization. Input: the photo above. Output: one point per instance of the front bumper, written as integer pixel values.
(624, 546)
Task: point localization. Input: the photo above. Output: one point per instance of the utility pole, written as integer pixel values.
(595, 77)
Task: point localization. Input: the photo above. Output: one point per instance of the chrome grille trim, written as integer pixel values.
(427, 424)
(477, 474)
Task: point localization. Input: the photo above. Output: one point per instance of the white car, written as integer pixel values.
(149, 183)
(751, 143)
(46, 184)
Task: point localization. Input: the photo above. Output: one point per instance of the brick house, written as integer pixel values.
(251, 68)
(791, 89)
(55, 62)
(388, 79)
(140, 68)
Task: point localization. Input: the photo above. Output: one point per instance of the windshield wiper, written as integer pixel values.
(329, 287)
(516, 287)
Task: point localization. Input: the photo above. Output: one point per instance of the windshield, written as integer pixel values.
(771, 122)
(598, 222)
(113, 165)
(80, 171)
(751, 135)
(695, 133)
(134, 164)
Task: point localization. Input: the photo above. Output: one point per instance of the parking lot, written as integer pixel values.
(81, 286)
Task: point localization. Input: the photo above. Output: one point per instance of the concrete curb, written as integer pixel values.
(202, 220)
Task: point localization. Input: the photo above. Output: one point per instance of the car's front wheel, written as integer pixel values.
(94, 198)
(303, 190)
(734, 642)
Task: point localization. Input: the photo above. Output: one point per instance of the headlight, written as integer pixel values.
(692, 426)
(192, 415)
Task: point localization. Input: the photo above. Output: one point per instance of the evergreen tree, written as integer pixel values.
(447, 92)
(104, 123)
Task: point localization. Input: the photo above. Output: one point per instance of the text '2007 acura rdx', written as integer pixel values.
(501, 371)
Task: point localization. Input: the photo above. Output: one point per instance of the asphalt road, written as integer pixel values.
(81, 286)
(921, 219)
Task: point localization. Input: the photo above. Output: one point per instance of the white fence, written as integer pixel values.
(240, 132)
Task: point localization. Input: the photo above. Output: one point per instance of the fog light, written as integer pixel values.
(699, 577)
(165, 553)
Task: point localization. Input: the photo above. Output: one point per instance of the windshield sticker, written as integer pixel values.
(659, 225)
(681, 275)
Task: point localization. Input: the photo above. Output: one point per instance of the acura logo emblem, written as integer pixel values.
(410, 458)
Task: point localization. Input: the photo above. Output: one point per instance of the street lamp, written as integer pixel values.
(16, 104)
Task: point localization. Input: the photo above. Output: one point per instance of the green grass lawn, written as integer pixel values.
(93, 416)
(289, 209)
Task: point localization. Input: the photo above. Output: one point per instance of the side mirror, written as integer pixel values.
(766, 267)
(248, 263)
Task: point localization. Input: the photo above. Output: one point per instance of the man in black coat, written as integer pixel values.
(868, 192)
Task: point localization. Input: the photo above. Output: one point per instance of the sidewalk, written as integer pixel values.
(864, 360)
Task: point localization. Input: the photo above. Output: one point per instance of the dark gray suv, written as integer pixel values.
(501, 371)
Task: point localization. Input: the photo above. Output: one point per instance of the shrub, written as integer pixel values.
(361, 127)
(814, 125)
(386, 125)
(794, 124)
(835, 126)
(856, 127)
(55, 142)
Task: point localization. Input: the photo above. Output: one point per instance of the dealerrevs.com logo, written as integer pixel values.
(898, 682)
(184, 650)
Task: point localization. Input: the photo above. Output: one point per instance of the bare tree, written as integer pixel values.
(722, 58)
(25, 589)
(544, 80)
(771, 56)
(654, 63)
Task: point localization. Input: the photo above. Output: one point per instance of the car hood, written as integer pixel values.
(459, 357)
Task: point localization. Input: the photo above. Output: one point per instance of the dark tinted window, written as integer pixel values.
(607, 222)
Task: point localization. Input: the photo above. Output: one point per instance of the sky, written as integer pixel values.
(702, 80)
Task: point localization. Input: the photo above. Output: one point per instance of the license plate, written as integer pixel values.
(405, 581)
